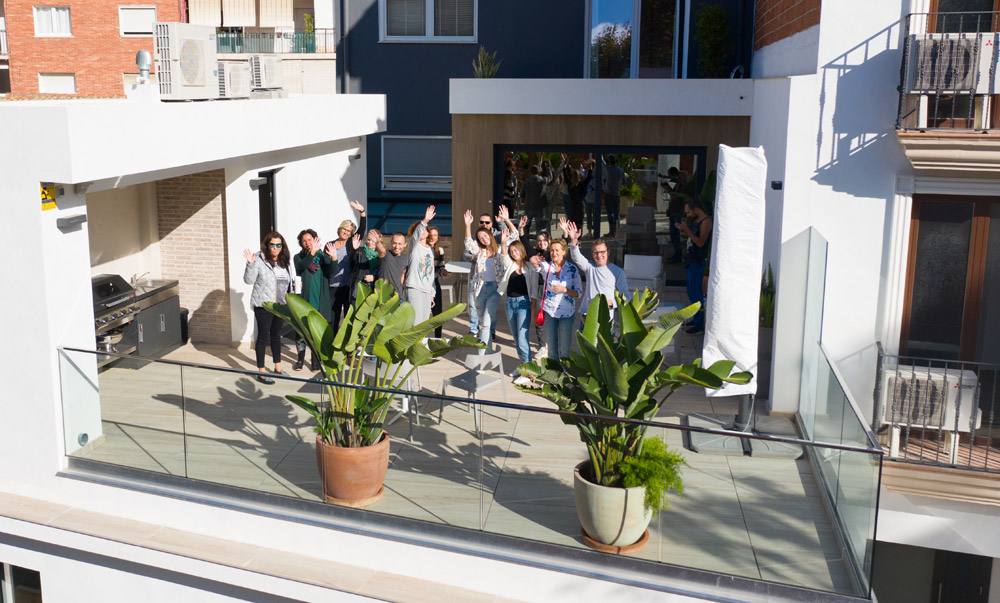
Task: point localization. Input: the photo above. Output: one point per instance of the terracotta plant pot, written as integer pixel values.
(616, 517)
(353, 477)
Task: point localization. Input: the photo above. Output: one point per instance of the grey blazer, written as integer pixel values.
(261, 275)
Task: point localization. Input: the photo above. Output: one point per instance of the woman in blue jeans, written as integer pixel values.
(520, 285)
(486, 273)
(562, 288)
(699, 241)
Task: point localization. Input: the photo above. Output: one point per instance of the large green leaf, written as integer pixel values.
(655, 340)
(614, 375)
(679, 316)
(401, 342)
(396, 323)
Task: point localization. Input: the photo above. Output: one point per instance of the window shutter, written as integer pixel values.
(405, 17)
(205, 12)
(455, 18)
(239, 13)
(276, 13)
(136, 20)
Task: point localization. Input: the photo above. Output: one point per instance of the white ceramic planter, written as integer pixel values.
(613, 516)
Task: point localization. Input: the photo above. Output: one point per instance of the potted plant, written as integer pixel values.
(378, 345)
(765, 333)
(486, 64)
(618, 376)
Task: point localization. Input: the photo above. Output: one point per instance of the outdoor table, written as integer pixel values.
(461, 270)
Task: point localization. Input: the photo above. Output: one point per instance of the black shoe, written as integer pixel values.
(298, 365)
(314, 365)
(265, 379)
(694, 330)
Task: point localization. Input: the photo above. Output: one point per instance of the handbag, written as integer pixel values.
(540, 318)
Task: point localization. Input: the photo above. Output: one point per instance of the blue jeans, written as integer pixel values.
(487, 303)
(558, 335)
(473, 315)
(519, 317)
(695, 272)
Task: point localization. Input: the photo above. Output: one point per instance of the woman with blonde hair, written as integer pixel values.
(562, 287)
(520, 286)
(343, 250)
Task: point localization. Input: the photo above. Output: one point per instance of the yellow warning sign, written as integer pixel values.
(48, 195)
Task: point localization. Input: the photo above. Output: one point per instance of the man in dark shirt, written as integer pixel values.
(393, 268)
(531, 191)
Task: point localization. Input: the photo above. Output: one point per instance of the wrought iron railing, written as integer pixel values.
(938, 412)
(320, 41)
(948, 72)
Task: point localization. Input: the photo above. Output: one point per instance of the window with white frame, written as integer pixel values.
(428, 20)
(136, 20)
(52, 21)
(416, 163)
(56, 83)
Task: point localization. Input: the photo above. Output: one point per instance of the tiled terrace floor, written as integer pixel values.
(746, 516)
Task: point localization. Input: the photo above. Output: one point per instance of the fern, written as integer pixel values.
(658, 469)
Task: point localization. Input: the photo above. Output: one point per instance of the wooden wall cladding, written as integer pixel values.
(474, 137)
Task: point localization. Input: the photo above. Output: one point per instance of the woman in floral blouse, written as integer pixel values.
(562, 288)
(486, 273)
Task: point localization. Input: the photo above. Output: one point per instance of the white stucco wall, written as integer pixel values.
(123, 231)
(939, 524)
(794, 55)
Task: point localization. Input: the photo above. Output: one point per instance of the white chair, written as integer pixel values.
(474, 380)
(643, 271)
(411, 410)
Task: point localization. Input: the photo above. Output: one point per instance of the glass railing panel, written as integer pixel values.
(244, 433)
(435, 476)
(123, 411)
(534, 497)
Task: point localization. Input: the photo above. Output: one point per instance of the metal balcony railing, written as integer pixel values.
(320, 41)
(948, 73)
(938, 412)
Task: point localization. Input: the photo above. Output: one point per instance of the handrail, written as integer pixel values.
(872, 439)
(491, 403)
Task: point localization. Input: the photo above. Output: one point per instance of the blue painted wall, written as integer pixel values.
(537, 39)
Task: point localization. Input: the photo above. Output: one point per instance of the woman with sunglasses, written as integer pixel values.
(270, 272)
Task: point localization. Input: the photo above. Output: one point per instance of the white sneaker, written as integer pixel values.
(514, 374)
(522, 381)
(543, 352)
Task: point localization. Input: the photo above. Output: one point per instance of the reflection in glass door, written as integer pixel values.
(633, 38)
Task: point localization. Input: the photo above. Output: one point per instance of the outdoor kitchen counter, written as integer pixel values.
(150, 287)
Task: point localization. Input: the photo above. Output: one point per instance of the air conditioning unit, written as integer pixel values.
(266, 72)
(234, 79)
(952, 63)
(929, 398)
(186, 61)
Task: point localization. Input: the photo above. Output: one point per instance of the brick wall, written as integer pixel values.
(778, 19)
(192, 216)
(96, 53)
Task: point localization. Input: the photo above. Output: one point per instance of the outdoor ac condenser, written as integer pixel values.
(234, 79)
(929, 398)
(186, 61)
(952, 63)
(266, 72)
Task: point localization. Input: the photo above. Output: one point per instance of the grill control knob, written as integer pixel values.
(104, 320)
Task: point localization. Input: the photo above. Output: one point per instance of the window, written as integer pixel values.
(56, 83)
(416, 163)
(632, 38)
(429, 20)
(19, 585)
(136, 20)
(52, 21)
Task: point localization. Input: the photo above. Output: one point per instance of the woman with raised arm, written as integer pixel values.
(314, 268)
(562, 288)
(420, 269)
(343, 250)
(485, 274)
(520, 286)
(367, 260)
(270, 272)
(433, 238)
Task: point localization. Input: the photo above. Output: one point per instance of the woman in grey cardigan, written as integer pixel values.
(270, 272)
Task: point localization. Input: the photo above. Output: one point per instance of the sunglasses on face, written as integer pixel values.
(274, 245)
(485, 222)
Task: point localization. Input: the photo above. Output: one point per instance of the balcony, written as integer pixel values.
(948, 115)
(749, 523)
(937, 422)
(319, 41)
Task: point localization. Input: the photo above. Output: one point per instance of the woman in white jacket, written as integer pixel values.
(271, 274)
(520, 285)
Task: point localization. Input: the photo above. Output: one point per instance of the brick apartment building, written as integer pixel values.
(79, 47)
